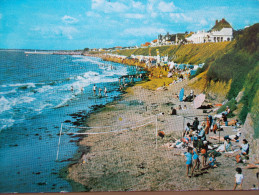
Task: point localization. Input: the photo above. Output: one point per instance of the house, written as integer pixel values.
(170, 39)
(146, 44)
(154, 42)
(221, 31)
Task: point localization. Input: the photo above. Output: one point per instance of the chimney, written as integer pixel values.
(217, 22)
(223, 20)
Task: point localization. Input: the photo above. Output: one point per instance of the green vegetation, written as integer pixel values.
(232, 106)
(189, 54)
(233, 62)
(241, 64)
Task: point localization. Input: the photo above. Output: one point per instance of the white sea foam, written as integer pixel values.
(4, 104)
(42, 106)
(44, 89)
(29, 85)
(8, 92)
(4, 123)
(9, 103)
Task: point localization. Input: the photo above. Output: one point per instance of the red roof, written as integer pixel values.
(154, 41)
(146, 44)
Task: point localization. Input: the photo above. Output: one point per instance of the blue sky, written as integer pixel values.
(76, 24)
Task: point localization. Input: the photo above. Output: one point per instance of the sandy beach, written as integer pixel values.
(130, 159)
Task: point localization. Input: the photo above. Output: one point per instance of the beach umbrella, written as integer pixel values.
(181, 94)
(197, 102)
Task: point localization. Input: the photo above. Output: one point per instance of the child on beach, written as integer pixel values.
(188, 156)
(196, 160)
(239, 177)
(204, 154)
(212, 160)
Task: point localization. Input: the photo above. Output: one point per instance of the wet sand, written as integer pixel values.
(130, 159)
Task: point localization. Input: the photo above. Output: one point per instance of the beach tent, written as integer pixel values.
(181, 94)
(197, 102)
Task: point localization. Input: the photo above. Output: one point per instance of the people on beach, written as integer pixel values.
(105, 91)
(72, 89)
(244, 147)
(188, 156)
(187, 129)
(212, 160)
(94, 90)
(173, 111)
(239, 178)
(224, 119)
(195, 124)
(196, 160)
(204, 151)
(100, 91)
(226, 147)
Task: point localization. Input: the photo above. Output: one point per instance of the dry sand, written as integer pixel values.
(129, 160)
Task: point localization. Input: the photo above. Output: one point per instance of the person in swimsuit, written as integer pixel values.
(188, 156)
(196, 160)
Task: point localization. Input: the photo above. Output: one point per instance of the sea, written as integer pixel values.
(38, 93)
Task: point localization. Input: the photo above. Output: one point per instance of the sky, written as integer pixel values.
(79, 24)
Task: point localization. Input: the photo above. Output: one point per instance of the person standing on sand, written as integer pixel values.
(195, 124)
(188, 156)
(205, 154)
(239, 178)
(94, 90)
(196, 160)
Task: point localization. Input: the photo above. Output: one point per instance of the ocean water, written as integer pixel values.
(35, 98)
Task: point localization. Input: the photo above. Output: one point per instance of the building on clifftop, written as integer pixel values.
(221, 31)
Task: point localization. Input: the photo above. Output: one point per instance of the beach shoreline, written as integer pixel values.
(121, 155)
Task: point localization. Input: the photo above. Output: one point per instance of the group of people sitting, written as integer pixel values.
(195, 140)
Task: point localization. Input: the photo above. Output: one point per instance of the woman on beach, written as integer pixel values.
(244, 147)
(226, 147)
(196, 160)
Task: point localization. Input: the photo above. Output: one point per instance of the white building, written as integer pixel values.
(225, 34)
